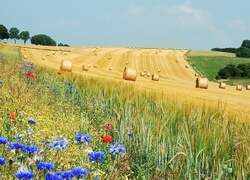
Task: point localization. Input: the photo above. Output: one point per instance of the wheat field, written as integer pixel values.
(177, 77)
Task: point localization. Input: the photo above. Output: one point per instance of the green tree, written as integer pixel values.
(24, 35)
(246, 43)
(243, 52)
(42, 39)
(4, 34)
(14, 33)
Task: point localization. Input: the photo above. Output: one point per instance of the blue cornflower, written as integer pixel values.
(129, 135)
(79, 172)
(96, 179)
(1, 82)
(3, 140)
(29, 149)
(96, 156)
(53, 177)
(67, 174)
(45, 166)
(47, 87)
(19, 136)
(2, 161)
(25, 175)
(30, 121)
(82, 138)
(15, 145)
(116, 149)
(59, 143)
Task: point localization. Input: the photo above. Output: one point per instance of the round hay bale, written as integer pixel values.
(248, 87)
(145, 70)
(53, 53)
(129, 74)
(89, 65)
(25, 56)
(155, 77)
(24, 49)
(196, 74)
(95, 66)
(201, 83)
(148, 74)
(65, 53)
(66, 65)
(239, 88)
(43, 58)
(143, 74)
(222, 85)
(110, 68)
(159, 70)
(85, 68)
(109, 57)
(186, 66)
(48, 54)
(126, 62)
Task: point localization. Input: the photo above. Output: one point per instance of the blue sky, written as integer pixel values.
(184, 24)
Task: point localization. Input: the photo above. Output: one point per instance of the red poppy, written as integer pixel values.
(107, 126)
(106, 139)
(59, 73)
(12, 116)
(31, 76)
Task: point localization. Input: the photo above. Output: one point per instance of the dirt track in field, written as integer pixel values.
(176, 79)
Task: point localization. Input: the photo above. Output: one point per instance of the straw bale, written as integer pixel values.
(43, 58)
(248, 87)
(66, 65)
(155, 77)
(201, 83)
(110, 68)
(24, 49)
(145, 70)
(196, 74)
(109, 57)
(143, 74)
(159, 70)
(25, 56)
(129, 74)
(148, 74)
(239, 87)
(222, 85)
(53, 53)
(126, 62)
(48, 54)
(85, 68)
(186, 66)
(95, 65)
(65, 53)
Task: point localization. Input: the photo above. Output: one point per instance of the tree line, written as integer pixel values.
(15, 34)
(242, 51)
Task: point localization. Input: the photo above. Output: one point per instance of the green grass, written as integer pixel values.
(170, 139)
(209, 63)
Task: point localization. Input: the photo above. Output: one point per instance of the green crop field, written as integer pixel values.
(210, 62)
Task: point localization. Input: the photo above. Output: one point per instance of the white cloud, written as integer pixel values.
(237, 24)
(134, 10)
(189, 17)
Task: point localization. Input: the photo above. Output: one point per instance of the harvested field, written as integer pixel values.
(175, 79)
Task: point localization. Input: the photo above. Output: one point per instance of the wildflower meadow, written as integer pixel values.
(58, 125)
